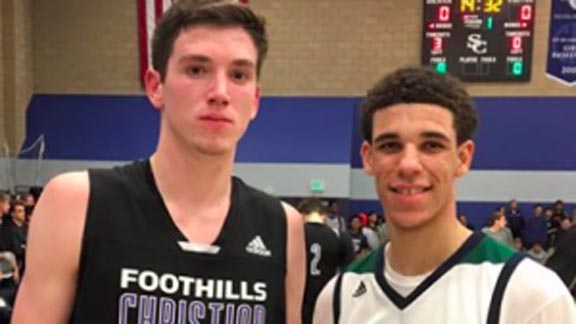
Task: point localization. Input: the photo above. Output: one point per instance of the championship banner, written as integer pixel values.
(149, 12)
(561, 64)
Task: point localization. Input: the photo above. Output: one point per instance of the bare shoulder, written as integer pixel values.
(295, 261)
(56, 229)
(72, 183)
(295, 241)
(293, 217)
(295, 231)
(61, 210)
(65, 198)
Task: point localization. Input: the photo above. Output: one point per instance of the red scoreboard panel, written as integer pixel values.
(479, 40)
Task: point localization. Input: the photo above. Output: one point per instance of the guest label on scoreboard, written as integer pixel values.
(479, 40)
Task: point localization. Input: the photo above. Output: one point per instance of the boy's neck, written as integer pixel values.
(421, 250)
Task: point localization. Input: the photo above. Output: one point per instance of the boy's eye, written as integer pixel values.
(389, 146)
(433, 146)
(196, 70)
(240, 76)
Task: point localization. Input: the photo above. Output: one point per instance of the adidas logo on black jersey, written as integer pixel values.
(256, 246)
(361, 290)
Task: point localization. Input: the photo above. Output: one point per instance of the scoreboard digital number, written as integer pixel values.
(479, 40)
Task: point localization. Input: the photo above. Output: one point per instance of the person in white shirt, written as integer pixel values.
(418, 126)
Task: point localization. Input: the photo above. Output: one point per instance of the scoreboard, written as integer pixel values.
(479, 40)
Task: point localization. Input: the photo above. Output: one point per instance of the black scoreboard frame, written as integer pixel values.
(479, 44)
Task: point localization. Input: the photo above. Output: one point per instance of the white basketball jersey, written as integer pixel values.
(483, 282)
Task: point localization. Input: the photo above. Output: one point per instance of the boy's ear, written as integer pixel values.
(366, 153)
(465, 156)
(153, 87)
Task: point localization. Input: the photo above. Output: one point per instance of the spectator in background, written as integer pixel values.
(334, 219)
(464, 221)
(562, 217)
(9, 273)
(383, 230)
(6, 233)
(515, 218)
(359, 240)
(5, 200)
(537, 253)
(327, 251)
(559, 212)
(9, 279)
(29, 203)
(377, 225)
(363, 219)
(371, 230)
(565, 226)
(552, 225)
(563, 260)
(573, 216)
(497, 229)
(518, 245)
(9, 276)
(536, 230)
(19, 232)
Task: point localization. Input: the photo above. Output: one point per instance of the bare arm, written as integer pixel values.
(296, 266)
(46, 294)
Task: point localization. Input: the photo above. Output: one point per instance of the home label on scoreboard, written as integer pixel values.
(479, 40)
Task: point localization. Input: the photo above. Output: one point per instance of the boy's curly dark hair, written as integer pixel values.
(421, 85)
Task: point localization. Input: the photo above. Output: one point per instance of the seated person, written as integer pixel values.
(9, 278)
(537, 253)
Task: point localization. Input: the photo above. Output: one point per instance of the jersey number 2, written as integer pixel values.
(316, 251)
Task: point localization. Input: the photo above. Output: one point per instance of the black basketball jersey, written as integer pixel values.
(137, 267)
(326, 252)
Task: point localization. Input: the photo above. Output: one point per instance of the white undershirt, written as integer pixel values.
(403, 285)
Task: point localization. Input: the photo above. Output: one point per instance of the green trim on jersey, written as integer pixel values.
(489, 250)
(366, 264)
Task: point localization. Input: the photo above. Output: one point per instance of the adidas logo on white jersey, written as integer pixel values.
(361, 290)
(256, 246)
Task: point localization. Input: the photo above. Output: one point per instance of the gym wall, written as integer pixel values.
(324, 54)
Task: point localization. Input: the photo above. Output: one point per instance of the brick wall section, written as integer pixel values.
(24, 78)
(318, 48)
(2, 99)
(336, 47)
(8, 74)
(16, 76)
(340, 47)
(85, 46)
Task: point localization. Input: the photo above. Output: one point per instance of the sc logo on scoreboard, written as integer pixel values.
(477, 44)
